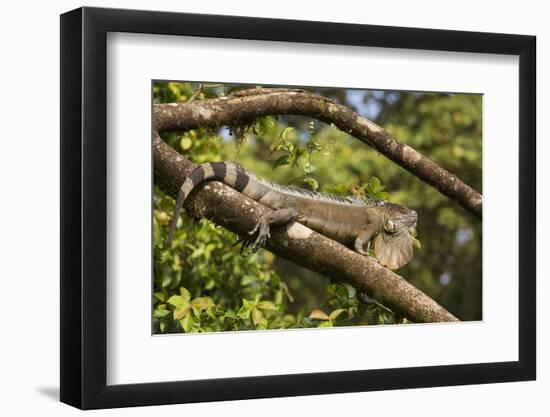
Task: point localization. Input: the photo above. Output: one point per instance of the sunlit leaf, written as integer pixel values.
(287, 132)
(186, 143)
(202, 303)
(161, 296)
(318, 315)
(176, 300)
(185, 295)
(351, 290)
(281, 161)
(181, 311)
(266, 305)
(256, 315)
(309, 168)
(267, 124)
(187, 322)
(312, 182)
(334, 315)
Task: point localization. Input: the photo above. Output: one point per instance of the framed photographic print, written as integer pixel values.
(258, 208)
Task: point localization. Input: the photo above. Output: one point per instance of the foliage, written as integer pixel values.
(203, 283)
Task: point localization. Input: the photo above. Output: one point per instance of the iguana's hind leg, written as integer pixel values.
(273, 218)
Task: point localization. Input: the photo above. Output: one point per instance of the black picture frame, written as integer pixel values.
(84, 207)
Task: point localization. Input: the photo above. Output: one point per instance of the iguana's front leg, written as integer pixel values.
(275, 218)
(365, 237)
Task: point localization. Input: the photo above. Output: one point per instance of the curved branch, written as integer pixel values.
(243, 107)
(236, 212)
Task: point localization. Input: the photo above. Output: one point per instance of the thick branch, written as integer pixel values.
(238, 213)
(244, 106)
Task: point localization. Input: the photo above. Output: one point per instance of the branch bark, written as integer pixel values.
(236, 212)
(245, 106)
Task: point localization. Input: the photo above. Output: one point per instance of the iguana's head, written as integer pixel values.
(394, 244)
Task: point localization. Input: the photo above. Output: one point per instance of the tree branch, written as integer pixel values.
(236, 212)
(243, 107)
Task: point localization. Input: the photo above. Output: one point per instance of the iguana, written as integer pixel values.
(353, 221)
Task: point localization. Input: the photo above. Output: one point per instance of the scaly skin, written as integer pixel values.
(352, 221)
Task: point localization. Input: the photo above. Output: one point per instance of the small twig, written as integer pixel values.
(196, 93)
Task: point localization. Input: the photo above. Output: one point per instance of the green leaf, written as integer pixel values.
(312, 182)
(165, 257)
(175, 89)
(247, 280)
(375, 189)
(296, 155)
(374, 182)
(380, 195)
(176, 300)
(337, 290)
(286, 146)
(280, 161)
(198, 252)
(166, 281)
(160, 296)
(266, 125)
(202, 303)
(256, 316)
(185, 295)
(286, 133)
(313, 146)
(187, 322)
(309, 168)
(244, 311)
(351, 290)
(181, 311)
(336, 313)
(266, 305)
(186, 143)
(159, 313)
(338, 189)
(230, 314)
(300, 151)
(262, 324)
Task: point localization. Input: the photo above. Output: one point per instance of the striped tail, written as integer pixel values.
(229, 173)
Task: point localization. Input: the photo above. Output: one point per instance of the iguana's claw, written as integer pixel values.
(255, 228)
(260, 241)
(363, 251)
(262, 229)
(244, 244)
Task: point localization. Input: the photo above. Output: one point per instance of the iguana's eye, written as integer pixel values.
(390, 226)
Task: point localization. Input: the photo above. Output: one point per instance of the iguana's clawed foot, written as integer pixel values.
(250, 246)
(361, 250)
(245, 243)
(262, 230)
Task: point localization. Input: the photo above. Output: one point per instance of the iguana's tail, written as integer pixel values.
(229, 173)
